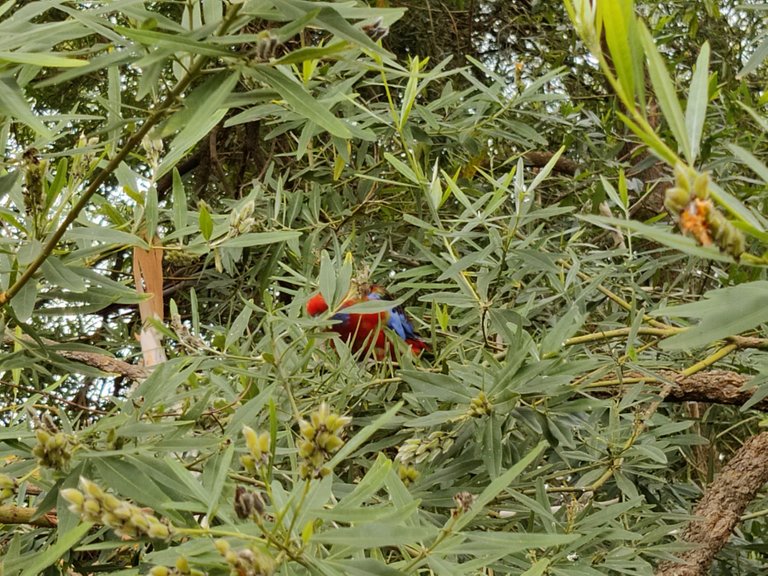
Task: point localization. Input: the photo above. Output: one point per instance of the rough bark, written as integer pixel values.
(22, 515)
(721, 506)
(712, 386)
(103, 362)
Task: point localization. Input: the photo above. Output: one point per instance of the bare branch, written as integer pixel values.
(721, 506)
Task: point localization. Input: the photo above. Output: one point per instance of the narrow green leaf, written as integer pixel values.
(750, 160)
(44, 559)
(238, 326)
(301, 101)
(205, 222)
(376, 535)
(618, 19)
(222, 469)
(411, 91)
(735, 208)
(260, 238)
(401, 167)
(23, 303)
(499, 484)
(312, 53)
(179, 202)
(722, 313)
(151, 214)
(663, 235)
(203, 113)
(665, 92)
(14, 104)
(363, 435)
(651, 139)
(175, 42)
(698, 98)
(539, 567)
(106, 235)
(59, 274)
(41, 59)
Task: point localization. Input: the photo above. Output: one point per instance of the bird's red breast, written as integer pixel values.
(366, 330)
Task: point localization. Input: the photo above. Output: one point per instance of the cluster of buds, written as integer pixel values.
(33, 193)
(153, 146)
(258, 445)
(320, 437)
(266, 46)
(187, 339)
(53, 449)
(690, 201)
(246, 561)
(7, 487)
(241, 219)
(375, 31)
(418, 450)
(81, 163)
(464, 501)
(408, 474)
(480, 406)
(248, 503)
(182, 568)
(95, 505)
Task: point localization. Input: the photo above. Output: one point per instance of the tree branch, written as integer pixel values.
(721, 506)
(22, 515)
(712, 386)
(103, 362)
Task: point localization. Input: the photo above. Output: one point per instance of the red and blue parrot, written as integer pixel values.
(363, 331)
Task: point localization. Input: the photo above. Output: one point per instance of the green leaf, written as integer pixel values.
(151, 214)
(499, 484)
(312, 53)
(618, 22)
(722, 313)
(174, 42)
(327, 279)
(14, 104)
(23, 303)
(665, 92)
(44, 559)
(538, 568)
(478, 543)
(207, 109)
(663, 236)
(59, 274)
(41, 59)
(205, 222)
(239, 325)
(376, 535)
(300, 100)
(746, 157)
(698, 98)
(363, 435)
(260, 238)
(651, 139)
(179, 202)
(105, 235)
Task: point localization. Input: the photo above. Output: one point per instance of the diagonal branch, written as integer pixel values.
(719, 509)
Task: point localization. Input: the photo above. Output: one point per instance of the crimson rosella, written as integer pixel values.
(363, 330)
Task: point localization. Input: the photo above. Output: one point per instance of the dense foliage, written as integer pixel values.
(503, 170)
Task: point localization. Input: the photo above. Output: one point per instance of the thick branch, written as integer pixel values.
(712, 386)
(719, 509)
(103, 362)
(22, 515)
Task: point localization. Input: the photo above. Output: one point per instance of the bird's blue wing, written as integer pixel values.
(397, 319)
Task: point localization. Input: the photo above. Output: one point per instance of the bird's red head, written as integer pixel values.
(316, 305)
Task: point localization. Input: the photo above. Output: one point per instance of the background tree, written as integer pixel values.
(178, 178)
